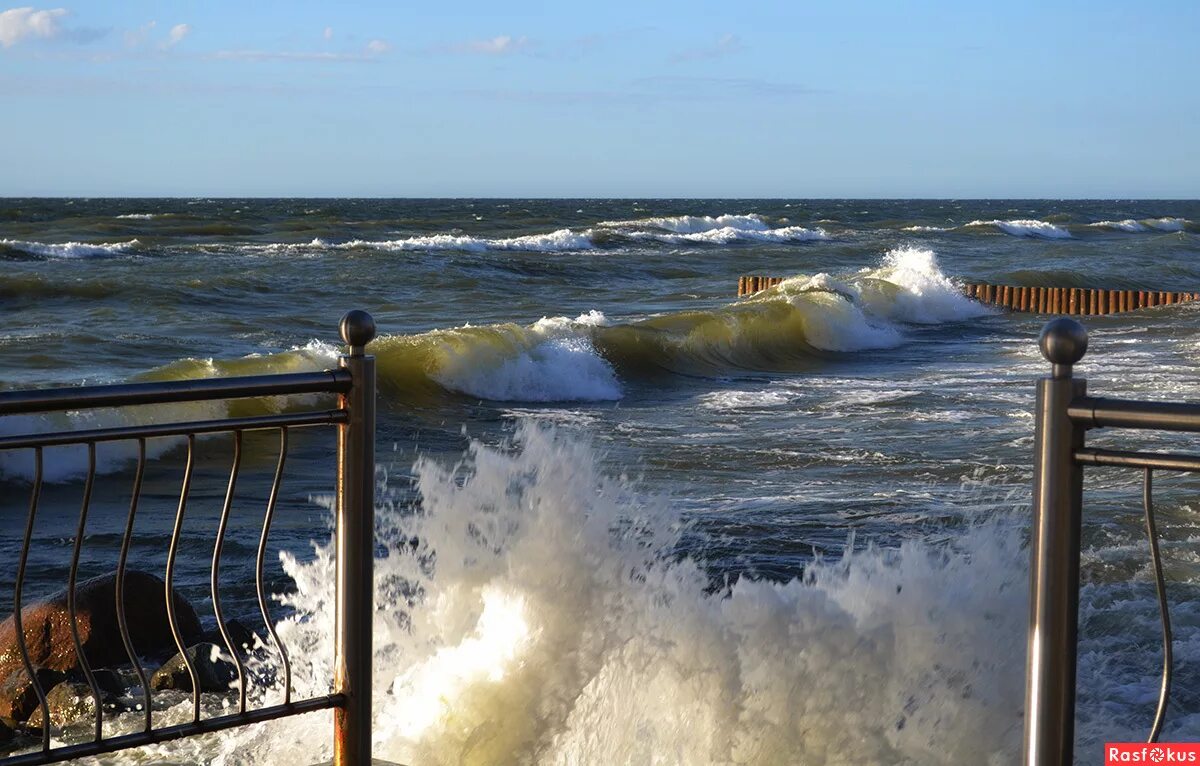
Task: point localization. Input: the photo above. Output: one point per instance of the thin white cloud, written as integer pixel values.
(17, 24)
(726, 45)
(370, 52)
(328, 33)
(135, 37)
(176, 35)
(500, 45)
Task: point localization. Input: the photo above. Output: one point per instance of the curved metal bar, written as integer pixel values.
(1164, 692)
(216, 569)
(262, 553)
(170, 577)
(72, 578)
(122, 620)
(17, 624)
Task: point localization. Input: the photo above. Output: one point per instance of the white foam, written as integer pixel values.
(727, 234)
(561, 240)
(71, 249)
(927, 295)
(543, 619)
(1166, 224)
(692, 224)
(142, 216)
(1025, 227)
(1126, 225)
(553, 360)
(925, 228)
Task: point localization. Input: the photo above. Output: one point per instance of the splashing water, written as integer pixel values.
(543, 617)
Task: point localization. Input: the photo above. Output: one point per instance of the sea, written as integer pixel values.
(625, 517)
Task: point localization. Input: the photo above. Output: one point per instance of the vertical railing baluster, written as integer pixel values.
(1160, 586)
(19, 626)
(216, 569)
(122, 618)
(1049, 738)
(259, 561)
(169, 580)
(72, 578)
(355, 588)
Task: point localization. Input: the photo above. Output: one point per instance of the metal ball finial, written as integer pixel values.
(1064, 342)
(358, 329)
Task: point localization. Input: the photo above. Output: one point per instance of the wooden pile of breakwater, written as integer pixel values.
(1038, 300)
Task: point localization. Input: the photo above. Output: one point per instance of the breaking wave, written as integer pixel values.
(1025, 228)
(549, 605)
(797, 325)
(66, 249)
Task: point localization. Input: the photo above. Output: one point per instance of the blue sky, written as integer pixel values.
(787, 98)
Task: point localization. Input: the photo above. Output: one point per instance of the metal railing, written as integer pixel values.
(354, 417)
(1064, 415)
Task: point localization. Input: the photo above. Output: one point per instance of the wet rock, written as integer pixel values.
(69, 702)
(244, 640)
(213, 670)
(47, 624)
(18, 699)
(6, 731)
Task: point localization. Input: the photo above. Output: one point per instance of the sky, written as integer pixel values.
(786, 98)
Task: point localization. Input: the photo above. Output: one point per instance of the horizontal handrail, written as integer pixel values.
(121, 433)
(167, 391)
(169, 733)
(1097, 412)
(1123, 459)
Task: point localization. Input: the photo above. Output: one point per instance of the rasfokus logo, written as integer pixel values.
(1162, 752)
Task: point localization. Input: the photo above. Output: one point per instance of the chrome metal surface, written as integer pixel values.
(169, 579)
(215, 578)
(354, 382)
(164, 392)
(1054, 551)
(124, 433)
(122, 561)
(34, 494)
(258, 567)
(1064, 414)
(72, 578)
(1164, 610)
(355, 549)
(169, 733)
(1118, 458)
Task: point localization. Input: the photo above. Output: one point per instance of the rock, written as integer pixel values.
(6, 732)
(244, 640)
(47, 625)
(68, 702)
(17, 696)
(108, 681)
(214, 671)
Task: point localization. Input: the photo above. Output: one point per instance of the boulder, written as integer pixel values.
(47, 625)
(214, 670)
(244, 640)
(18, 699)
(6, 732)
(68, 702)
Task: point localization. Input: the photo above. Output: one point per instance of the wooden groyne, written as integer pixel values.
(1082, 301)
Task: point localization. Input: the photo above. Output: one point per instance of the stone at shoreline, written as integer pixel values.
(17, 696)
(47, 625)
(68, 702)
(244, 640)
(6, 732)
(213, 670)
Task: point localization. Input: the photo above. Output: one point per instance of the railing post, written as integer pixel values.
(355, 548)
(1054, 576)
